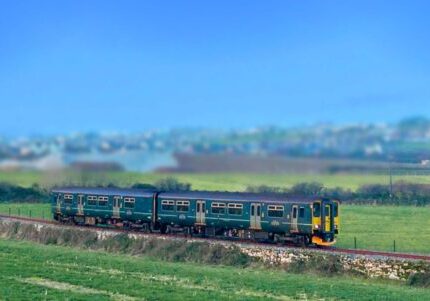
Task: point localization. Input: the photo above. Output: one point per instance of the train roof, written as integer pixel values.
(132, 192)
(203, 195)
(239, 196)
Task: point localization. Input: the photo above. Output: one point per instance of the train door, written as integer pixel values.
(80, 205)
(116, 207)
(200, 212)
(255, 216)
(327, 218)
(294, 215)
(58, 204)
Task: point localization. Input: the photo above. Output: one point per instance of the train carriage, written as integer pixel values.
(263, 216)
(103, 205)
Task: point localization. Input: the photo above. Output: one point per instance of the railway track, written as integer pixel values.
(352, 252)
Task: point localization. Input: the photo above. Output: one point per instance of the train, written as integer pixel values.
(310, 220)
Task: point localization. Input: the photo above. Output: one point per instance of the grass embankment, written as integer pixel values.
(38, 272)
(375, 227)
(215, 181)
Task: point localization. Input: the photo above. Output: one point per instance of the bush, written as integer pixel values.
(172, 184)
(419, 279)
(307, 189)
(13, 193)
(325, 265)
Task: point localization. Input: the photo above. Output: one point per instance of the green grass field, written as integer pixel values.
(216, 181)
(39, 272)
(374, 227)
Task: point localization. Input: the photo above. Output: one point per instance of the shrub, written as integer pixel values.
(419, 279)
(13, 193)
(172, 184)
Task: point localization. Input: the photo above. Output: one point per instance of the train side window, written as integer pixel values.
(182, 206)
(168, 205)
(129, 203)
(103, 200)
(92, 200)
(68, 199)
(218, 208)
(235, 209)
(275, 211)
(301, 212)
(317, 209)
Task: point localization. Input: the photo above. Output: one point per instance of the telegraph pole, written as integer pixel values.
(391, 178)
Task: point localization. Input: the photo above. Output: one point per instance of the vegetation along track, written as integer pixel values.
(352, 252)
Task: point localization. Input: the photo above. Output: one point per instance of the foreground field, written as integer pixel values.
(216, 181)
(37, 272)
(373, 227)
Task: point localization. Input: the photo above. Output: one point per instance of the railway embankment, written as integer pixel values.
(219, 252)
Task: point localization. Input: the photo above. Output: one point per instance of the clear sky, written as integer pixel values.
(133, 65)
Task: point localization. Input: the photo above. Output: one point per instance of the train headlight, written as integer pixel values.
(317, 226)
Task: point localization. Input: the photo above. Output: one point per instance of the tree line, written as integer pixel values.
(400, 193)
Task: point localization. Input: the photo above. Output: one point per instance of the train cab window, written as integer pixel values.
(103, 200)
(218, 208)
(335, 209)
(301, 212)
(235, 209)
(182, 206)
(68, 199)
(92, 200)
(168, 205)
(317, 209)
(59, 198)
(129, 203)
(275, 211)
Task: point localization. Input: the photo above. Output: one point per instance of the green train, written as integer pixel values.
(260, 217)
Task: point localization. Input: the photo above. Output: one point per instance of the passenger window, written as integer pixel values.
(275, 211)
(301, 212)
(317, 209)
(129, 203)
(235, 209)
(92, 200)
(103, 200)
(68, 199)
(218, 208)
(182, 206)
(168, 205)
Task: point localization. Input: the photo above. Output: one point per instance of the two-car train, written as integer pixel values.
(275, 217)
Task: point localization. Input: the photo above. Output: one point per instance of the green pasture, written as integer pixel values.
(45, 272)
(206, 181)
(373, 227)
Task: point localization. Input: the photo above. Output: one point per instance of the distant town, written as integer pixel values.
(405, 144)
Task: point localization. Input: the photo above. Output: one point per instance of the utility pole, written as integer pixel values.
(391, 178)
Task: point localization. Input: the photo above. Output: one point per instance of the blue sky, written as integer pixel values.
(133, 65)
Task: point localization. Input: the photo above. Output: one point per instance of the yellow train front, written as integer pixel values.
(325, 222)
